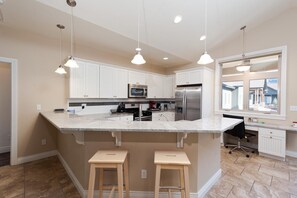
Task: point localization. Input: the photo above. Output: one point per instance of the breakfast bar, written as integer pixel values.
(81, 136)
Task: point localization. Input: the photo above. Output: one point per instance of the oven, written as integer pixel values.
(137, 91)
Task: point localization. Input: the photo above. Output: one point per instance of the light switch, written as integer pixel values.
(38, 107)
(293, 108)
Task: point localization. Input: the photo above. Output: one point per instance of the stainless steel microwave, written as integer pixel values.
(137, 91)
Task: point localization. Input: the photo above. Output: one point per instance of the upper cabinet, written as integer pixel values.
(168, 88)
(136, 78)
(84, 81)
(113, 82)
(189, 77)
(155, 86)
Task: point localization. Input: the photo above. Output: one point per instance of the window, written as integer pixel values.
(258, 92)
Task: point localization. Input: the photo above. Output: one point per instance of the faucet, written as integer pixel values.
(140, 112)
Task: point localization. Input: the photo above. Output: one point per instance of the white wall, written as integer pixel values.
(5, 107)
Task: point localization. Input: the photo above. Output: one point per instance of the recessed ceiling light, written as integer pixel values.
(202, 38)
(178, 19)
(165, 58)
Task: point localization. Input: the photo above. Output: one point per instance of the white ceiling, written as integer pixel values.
(112, 24)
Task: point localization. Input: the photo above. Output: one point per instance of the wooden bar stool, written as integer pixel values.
(106, 160)
(173, 160)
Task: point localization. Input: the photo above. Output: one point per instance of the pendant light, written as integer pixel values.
(245, 65)
(205, 57)
(61, 69)
(71, 62)
(138, 58)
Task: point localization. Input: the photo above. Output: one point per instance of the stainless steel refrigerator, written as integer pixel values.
(188, 103)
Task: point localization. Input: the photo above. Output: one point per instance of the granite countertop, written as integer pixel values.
(271, 126)
(99, 122)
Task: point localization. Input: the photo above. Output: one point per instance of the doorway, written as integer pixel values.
(5, 113)
(8, 113)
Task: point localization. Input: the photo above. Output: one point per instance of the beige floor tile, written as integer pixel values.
(263, 161)
(291, 161)
(257, 176)
(229, 167)
(212, 195)
(277, 172)
(285, 165)
(293, 176)
(247, 163)
(293, 196)
(239, 193)
(260, 190)
(221, 188)
(238, 181)
(284, 185)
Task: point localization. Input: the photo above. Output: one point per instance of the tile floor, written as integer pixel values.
(242, 177)
(255, 177)
(42, 178)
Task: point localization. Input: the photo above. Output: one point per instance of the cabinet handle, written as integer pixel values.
(270, 137)
(270, 132)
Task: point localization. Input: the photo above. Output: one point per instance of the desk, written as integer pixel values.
(271, 138)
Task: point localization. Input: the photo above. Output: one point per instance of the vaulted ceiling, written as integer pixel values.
(112, 24)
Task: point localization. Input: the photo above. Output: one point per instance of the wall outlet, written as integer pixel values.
(143, 174)
(293, 108)
(43, 141)
(38, 107)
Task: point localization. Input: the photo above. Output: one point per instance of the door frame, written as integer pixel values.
(14, 109)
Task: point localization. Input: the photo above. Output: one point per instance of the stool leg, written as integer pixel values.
(91, 181)
(101, 183)
(120, 180)
(187, 183)
(157, 181)
(182, 183)
(126, 176)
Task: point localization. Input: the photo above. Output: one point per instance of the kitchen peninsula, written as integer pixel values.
(199, 139)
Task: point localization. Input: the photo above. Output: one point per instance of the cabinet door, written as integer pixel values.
(77, 81)
(270, 143)
(195, 77)
(155, 86)
(181, 78)
(91, 80)
(167, 87)
(106, 82)
(122, 86)
(136, 78)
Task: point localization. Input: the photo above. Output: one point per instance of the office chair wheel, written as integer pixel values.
(247, 156)
(226, 146)
(253, 151)
(230, 152)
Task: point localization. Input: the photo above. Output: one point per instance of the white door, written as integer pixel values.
(167, 87)
(181, 78)
(77, 81)
(122, 86)
(195, 77)
(136, 78)
(91, 80)
(106, 82)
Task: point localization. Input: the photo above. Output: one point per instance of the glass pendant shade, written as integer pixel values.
(60, 70)
(71, 63)
(205, 59)
(138, 58)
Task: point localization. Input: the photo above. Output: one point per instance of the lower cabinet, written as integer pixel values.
(163, 116)
(272, 142)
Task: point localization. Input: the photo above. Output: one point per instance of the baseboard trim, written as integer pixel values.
(291, 153)
(39, 156)
(73, 178)
(206, 187)
(4, 149)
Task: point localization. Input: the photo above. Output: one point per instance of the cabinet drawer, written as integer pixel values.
(272, 132)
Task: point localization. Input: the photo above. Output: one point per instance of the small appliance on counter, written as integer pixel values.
(153, 106)
(121, 108)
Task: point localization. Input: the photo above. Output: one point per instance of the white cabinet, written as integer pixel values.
(136, 78)
(84, 81)
(163, 116)
(155, 86)
(272, 142)
(189, 77)
(168, 88)
(113, 82)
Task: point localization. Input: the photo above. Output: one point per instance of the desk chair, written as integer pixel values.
(239, 132)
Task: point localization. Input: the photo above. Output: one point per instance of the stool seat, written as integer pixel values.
(172, 160)
(109, 157)
(171, 157)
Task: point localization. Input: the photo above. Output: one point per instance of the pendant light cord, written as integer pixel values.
(61, 46)
(138, 22)
(71, 50)
(243, 41)
(205, 25)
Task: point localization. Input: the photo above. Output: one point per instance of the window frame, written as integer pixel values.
(282, 89)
